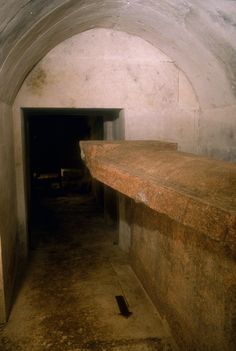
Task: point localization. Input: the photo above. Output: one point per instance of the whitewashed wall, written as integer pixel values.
(103, 68)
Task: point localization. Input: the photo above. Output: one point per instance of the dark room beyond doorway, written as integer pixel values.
(54, 167)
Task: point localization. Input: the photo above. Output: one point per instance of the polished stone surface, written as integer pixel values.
(195, 191)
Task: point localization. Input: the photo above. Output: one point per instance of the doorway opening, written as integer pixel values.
(79, 291)
(54, 167)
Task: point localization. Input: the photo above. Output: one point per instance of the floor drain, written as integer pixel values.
(124, 309)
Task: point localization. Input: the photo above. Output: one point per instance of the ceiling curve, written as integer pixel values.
(198, 35)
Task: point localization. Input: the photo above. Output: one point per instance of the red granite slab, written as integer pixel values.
(196, 191)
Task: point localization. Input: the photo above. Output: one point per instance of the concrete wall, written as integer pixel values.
(2, 295)
(199, 35)
(217, 133)
(190, 278)
(8, 222)
(109, 69)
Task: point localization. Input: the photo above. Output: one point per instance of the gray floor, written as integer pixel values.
(67, 300)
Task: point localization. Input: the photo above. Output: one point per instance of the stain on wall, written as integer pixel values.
(111, 69)
(37, 81)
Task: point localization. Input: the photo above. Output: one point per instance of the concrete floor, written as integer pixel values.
(67, 298)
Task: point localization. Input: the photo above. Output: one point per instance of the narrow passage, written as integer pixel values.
(67, 300)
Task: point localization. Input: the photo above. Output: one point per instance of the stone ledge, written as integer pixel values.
(193, 190)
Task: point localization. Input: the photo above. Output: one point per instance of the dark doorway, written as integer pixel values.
(53, 162)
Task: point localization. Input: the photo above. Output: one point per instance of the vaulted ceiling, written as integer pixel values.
(198, 35)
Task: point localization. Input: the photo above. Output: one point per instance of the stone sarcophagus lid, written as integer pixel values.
(182, 218)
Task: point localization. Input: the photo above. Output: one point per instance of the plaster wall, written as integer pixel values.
(217, 133)
(21, 183)
(104, 68)
(8, 221)
(198, 35)
(2, 295)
